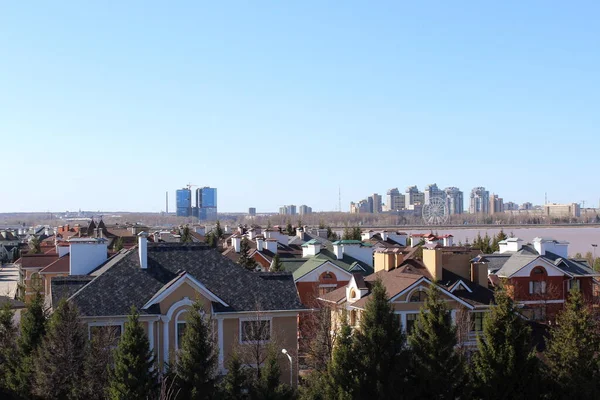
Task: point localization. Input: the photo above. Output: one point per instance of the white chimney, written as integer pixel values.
(143, 249)
(384, 235)
(448, 241)
(310, 249)
(338, 250)
(86, 255)
(236, 242)
(260, 243)
(251, 233)
(271, 245)
(300, 233)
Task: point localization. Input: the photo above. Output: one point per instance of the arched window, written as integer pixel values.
(353, 318)
(36, 281)
(180, 325)
(352, 293)
(327, 275)
(538, 271)
(418, 296)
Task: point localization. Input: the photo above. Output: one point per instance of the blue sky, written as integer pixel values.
(106, 106)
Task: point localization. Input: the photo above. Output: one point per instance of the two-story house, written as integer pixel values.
(164, 279)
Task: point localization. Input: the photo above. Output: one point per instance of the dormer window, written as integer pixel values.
(538, 271)
(352, 294)
(327, 275)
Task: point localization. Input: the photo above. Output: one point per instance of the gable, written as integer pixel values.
(551, 269)
(327, 266)
(424, 284)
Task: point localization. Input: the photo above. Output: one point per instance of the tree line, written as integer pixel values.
(51, 357)
(378, 361)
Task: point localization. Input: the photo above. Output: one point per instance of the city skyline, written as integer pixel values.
(489, 95)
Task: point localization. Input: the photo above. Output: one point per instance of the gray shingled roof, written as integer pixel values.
(124, 283)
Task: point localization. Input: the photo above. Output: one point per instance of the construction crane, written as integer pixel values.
(190, 186)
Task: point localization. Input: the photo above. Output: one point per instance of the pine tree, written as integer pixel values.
(276, 264)
(133, 376)
(356, 233)
(218, 230)
(59, 363)
(210, 240)
(196, 366)
(597, 264)
(186, 236)
(347, 235)
(485, 244)
(377, 344)
(572, 351)
(118, 246)
(245, 260)
(578, 256)
(289, 229)
(33, 329)
(501, 235)
(268, 387)
(8, 338)
(505, 366)
(99, 361)
(341, 377)
(235, 383)
(34, 245)
(437, 367)
(331, 235)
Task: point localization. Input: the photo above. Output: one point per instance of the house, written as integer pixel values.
(9, 246)
(163, 279)
(539, 276)
(406, 281)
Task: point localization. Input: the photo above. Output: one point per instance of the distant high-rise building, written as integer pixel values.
(252, 211)
(480, 201)
(496, 204)
(287, 210)
(375, 203)
(395, 200)
(184, 202)
(360, 207)
(304, 209)
(431, 191)
(454, 200)
(413, 197)
(510, 206)
(206, 203)
(526, 206)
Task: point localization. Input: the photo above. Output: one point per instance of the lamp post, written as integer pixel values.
(284, 351)
(594, 246)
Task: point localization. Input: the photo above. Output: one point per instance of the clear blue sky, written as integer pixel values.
(108, 105)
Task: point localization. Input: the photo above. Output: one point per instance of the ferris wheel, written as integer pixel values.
(436, 212)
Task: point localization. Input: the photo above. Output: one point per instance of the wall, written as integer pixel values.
(86, 256)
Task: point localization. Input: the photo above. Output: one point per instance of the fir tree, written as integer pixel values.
(437, 367)
(331, 235)
(268, 387)
(597, 264)
(8, 337)
(501, 235)
(341, 377)
(245, 260)
(572, 352)
(196, 366)
(210, 240)
(186, 235)
(33, 329)
(505, 366)
(99, 361)
(235, 383)
(276, 264)
(289, 229)
(377, 344)
(218, 230)
(133, 377)
(34, 245)
(118, 246)
(59, 363)
(356, 233)
(578, 256)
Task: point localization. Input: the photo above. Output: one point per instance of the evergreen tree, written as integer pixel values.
(347, 234)
(289, 229)
(133, 377)
(186, 235)
(8, 337)
(578, 255)
(235, 383)
(34, 245)
(590, 258)
(485, 244)
(276, 264)
(245, 260)
(99, 361)
(59, 363)
(331, 235)
(572, 352)
(501, 235)
(437, 367)
(268, 387)
(218, 230)
(356, 233)
(118, 246)
(377, 344)
(505, 366)
(597, 264)
(341, 377)
(210, 240)
(33, 329)
(196, 366)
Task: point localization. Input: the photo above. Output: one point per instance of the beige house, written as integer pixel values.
(249, 311)
(464, 289)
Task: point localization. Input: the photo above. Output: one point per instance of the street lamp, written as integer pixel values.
(594, 246)
(284, 351)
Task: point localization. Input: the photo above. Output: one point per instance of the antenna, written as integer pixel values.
(167, 202)
(339, 199)
(546, 198)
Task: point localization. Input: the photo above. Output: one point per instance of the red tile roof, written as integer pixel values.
(62, 265)
(37, 260)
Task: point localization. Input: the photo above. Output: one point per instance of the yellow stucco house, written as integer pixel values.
(164, 279)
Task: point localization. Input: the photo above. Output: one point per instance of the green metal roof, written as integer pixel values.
(312, 241)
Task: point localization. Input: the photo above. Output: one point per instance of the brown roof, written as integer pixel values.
(335, 296)
(62, 265)
(37, 260)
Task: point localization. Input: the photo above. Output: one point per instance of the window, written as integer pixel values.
(36, 281)
(410, 322)
(255, 331)
(352, 293)
(537, 287)
(327, 275)
(477, 322)
(109, 334)
(353, 318)
(180, 330)
(537, 271)
(538, 314)
(574, 284)
(325, 289)
(418, 297)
